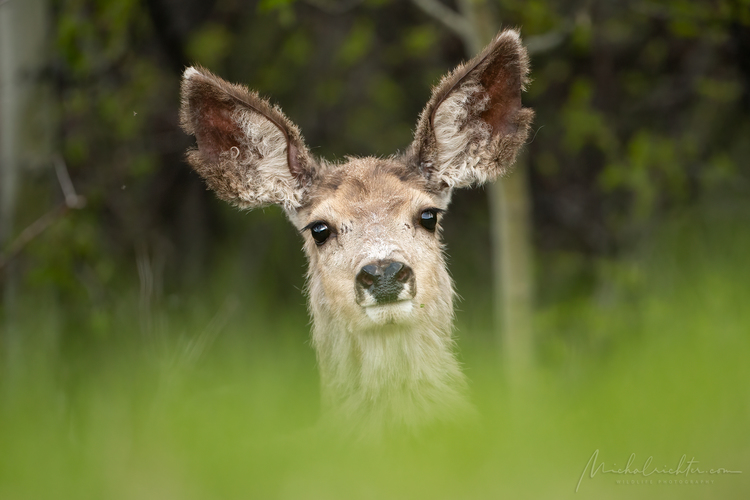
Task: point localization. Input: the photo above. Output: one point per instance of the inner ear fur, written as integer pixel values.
(474, 124)
(248, 152)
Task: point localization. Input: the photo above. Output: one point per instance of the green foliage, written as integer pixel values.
(646, 109)
(653, 168)
(357, 44)
(283, 8)
(269, 5)
(419, 41)
(91, 34)
(536, 16)
(584, 123)
(297, 48)
(209, 45)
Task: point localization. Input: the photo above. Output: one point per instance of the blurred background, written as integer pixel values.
(154, 341)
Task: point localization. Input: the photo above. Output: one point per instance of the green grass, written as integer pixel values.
(653, 361)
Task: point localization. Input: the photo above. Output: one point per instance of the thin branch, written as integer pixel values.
(63, 177)
(72, 201)
(539, 44)
(462, 27)
(451, 19)
(32, 231)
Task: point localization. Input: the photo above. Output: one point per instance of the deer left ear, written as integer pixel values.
(248, 152)
(474, 124)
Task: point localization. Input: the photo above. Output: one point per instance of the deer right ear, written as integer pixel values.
(248, 152)
(472, 128)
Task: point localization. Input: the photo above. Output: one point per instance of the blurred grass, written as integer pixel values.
(205, 404)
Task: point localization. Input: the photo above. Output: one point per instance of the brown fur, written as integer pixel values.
(383, 365)
(498, 75)
(212, 110)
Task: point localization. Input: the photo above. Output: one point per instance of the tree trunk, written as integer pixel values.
(9, 117)
(24, 136)
(510, 226)
(512, 267)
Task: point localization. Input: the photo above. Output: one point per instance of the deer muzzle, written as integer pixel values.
(384, 282)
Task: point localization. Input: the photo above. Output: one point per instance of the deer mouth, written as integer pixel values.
(390, 313)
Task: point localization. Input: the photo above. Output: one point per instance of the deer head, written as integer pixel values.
(379, 291)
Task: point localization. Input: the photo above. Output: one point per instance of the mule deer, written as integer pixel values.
(379, 292)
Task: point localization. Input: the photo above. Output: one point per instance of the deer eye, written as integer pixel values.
(320, 232)
(428, 219)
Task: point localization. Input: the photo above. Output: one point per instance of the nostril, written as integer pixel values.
(403, 274)
(367, 276)
(371, 270)
(392, 270)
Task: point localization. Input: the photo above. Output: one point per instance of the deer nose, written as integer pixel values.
(384, 280)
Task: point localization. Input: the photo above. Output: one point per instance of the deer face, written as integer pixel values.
(372, 237)
(371, 226)
(380, 294)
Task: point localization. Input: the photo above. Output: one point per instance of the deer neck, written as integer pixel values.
(402, 376)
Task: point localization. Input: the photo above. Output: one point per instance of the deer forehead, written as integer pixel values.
(368, 195)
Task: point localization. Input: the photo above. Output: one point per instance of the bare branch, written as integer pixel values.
(72, 201)
(71, 198)
(451, 19)
(552, 39)
(31, 232)
(462, 26)
(542, 43)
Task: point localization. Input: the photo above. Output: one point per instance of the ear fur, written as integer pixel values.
(248, 152)
(474, 124)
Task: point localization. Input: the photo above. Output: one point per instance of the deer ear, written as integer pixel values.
(248, 152)
(474, 125)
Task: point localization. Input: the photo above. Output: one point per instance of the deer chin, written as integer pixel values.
(399, 312)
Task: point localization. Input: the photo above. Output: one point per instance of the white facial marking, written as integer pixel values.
(389, 313)
(380, 250)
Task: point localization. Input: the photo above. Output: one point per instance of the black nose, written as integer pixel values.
(384, 280)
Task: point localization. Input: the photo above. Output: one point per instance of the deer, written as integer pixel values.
(379, 292)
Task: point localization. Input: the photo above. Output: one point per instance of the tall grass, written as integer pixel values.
(220, 401)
